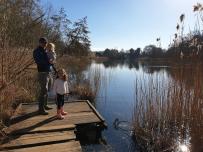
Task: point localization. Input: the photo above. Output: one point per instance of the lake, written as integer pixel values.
(116, 101)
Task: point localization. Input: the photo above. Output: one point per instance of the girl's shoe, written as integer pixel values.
(59, 116)
(63, 112)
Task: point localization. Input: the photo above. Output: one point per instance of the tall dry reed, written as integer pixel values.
(168, 114)
(89, 86)
(85, 85)
(13, 72)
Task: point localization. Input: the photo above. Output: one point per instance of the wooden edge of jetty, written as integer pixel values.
(51, 135)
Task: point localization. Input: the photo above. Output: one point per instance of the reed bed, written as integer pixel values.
(168, 115)
(89, 86)
(84, 85)
(15, 81)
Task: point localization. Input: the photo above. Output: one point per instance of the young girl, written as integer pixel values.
(51, 54)
(61, 89)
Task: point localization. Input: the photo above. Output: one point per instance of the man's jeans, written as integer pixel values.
(44, 79)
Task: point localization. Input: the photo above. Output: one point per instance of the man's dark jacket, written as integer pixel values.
(41, 59)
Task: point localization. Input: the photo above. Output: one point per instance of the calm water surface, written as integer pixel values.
(116, 99)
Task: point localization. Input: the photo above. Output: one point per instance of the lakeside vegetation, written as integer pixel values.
(156, 115)
(22, 22)
(168, 114)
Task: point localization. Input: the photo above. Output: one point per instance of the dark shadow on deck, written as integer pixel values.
(24, 117)
(17, 133)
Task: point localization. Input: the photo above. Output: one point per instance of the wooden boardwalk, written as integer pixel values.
(42, 133)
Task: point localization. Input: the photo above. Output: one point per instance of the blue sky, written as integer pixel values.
(128, 23)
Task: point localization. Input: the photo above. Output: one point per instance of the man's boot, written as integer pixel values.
(46, 107)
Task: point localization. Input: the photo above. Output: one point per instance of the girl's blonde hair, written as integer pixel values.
(51, 46)
(65, 75)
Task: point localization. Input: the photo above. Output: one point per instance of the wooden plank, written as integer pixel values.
(69, 134)
(71, 146)
(97, 113)
(54, 128)
(50, 128)
(52, 118)
(29, 124)
(36, 122)
(29, 140)
(30, 110)
(77, 116)
(72, 107)
(83, 118)
(73, 118)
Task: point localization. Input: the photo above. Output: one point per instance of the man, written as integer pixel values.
(43, 67)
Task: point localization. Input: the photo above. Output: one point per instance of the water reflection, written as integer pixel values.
(122, 63)
(183, 148)
(148, 67)
(182, 120)
(167, 111)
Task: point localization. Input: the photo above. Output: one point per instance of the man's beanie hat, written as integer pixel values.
(43, 40)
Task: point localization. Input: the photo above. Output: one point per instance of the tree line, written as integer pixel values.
(22, 22)
(151, 51)
(183, 46)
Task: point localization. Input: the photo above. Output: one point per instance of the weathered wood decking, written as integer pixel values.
(42, 133)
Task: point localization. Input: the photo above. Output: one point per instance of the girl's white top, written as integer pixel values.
(60, 87)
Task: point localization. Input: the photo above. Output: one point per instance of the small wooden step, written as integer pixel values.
(71, 146)
(37, 139)
(53, 128)
(46, 129)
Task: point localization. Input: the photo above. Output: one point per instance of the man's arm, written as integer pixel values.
(38, 57)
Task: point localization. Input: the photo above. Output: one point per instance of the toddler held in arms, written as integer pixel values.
(60, 89)
(51, 54)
